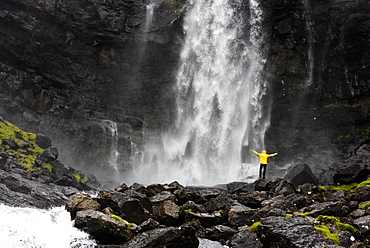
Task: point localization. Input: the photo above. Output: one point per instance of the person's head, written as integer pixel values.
(263, 152)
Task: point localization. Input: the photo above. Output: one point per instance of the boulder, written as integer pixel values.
(338, 208)
(50, 154)
(290, 232)
(219, 202)
(239, 215)
(159, 198)
(197, 194)
(168, 213)
(43, 141)
(282, 187)
(244, 238)
(355, 170)
(11, 143)
(169, 237)
(80, 202)
(363, 224)
(135, 207)
(220, 233)
(206, 219)
(300, 174)
(253, 199)
(192, 206)
(104, 228)
(149, 224)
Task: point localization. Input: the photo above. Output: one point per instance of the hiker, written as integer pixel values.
(263, 161)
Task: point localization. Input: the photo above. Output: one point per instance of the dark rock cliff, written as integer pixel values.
(319, 64)
(66, 66)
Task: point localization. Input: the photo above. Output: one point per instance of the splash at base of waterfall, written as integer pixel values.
(35, 228)
(219, 90)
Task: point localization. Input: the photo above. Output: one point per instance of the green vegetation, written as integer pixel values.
(345, 187)
(326, 233)
(10, 131)
(79, 178)
(254, 226)
(116, 217)
(188, 210)
(330, 221)
(364, 205)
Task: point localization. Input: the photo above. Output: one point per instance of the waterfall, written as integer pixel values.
(110, 131)
(310, 57)
(37, 228)
(219, 91)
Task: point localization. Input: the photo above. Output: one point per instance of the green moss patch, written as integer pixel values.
(28, 158)
(329, 226)
(254, 226)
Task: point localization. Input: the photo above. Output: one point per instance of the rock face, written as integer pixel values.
(307, 216)
(86, 71)
(31, 176)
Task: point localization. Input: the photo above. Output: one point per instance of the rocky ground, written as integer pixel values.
(263, 213)
(32, 175)
(290, 212)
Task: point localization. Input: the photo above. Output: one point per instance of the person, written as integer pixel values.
(263, 161)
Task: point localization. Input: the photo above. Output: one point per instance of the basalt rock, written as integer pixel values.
(105, 229)
(244, 238)
(280, 221)
(171, 237)
(301, 174)
(291, 232)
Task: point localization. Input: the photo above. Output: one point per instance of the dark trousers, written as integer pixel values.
(263, 168)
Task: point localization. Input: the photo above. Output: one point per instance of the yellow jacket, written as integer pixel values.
(263, 156)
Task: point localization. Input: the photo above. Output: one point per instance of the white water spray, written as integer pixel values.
(310, 57)
(219, 90)
(35, 228)
(110, 131)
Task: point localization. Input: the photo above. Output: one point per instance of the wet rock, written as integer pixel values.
(219, 202)
(253, 199)
(282, 187)
(15, 184)
(171, 237)
(149, 224)
(193, 207)
(301, 174)
(197, 194)
(220, 233)
(161, 197)
(290, 232)
(102, 227)
(355, 171)
(244, 238)
(206, 219)
(239, 215)
(338, 208)
(11, 143)
(50, 154)
(80, 202)
(43, 141)
(132, 205)
(167, 213)
(363, 224)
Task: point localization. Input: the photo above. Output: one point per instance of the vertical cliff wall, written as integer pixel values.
(67, 66)
(319, 64)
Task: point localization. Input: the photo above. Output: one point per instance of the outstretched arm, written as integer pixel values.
(271, 155)
(255, 152)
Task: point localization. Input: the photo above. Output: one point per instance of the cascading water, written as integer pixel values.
(110, 131)
(310, 57)
(219, 91)
(35, 228)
